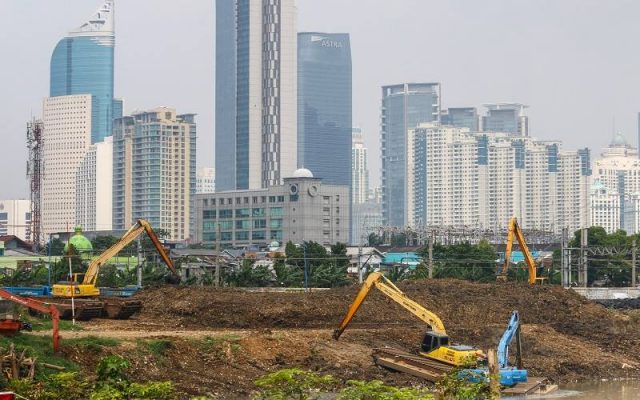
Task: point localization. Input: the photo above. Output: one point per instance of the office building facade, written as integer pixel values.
(205, 180)
(67, 138)
(301, 209)
(324, 105)
(618, 170)
(461, 117)
(15, 218)
(404, 106)
(94, 188)
(256, 92)
(506, 117)
(83, 63)
(360, 192)
(154, 174)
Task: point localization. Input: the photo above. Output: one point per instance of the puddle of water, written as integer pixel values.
(605, 390)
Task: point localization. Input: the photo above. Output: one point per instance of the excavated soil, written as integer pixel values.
(237, 336)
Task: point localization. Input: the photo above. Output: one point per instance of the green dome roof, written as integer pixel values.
(80, 243)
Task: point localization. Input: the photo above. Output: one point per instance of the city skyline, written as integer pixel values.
(548, 70)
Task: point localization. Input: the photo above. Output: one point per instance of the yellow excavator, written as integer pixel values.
(435, 344)
(515, 230)
(84, 284)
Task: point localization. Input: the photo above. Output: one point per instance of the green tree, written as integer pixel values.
(464, 261)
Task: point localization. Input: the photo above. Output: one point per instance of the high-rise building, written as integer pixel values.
(359, 169)
(618, 170)
(205, 180)
(404, 106)
(506, 117)
(604, 207)
(462, 178)
(15, 218)
(154, 174)
(324, 105)
(256, 92)
(82, 63)
(94, 187)
(461, 117)
(66, 137)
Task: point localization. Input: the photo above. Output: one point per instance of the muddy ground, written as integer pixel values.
(220, 341)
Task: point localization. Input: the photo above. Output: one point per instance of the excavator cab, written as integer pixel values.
(432, 341)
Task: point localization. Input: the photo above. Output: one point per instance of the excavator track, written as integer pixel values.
(83, 309)
(120, 307)
(412, 364)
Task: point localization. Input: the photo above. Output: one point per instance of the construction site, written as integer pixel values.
(219, 341)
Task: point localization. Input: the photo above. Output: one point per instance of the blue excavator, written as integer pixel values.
(509, 375)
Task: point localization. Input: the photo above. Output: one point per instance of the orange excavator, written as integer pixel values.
(515, 230)
(37, 306)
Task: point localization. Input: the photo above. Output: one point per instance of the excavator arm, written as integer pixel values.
(507, 337)
(91, 275)
(38, 306)
(387, 287)
(515, 230)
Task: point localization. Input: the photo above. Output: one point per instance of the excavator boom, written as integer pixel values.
(38, 306)
(515, 230)
(392, 291)
(131, 235)
(507, 337)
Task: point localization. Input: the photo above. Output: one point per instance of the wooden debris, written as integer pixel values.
(19, 366)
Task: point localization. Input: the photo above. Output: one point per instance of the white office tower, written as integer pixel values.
(474, 179)
(618, 170)
(67, 137)
(94, 188)
(359, 168)
(205, 180)
(604, 207)
(256, 93)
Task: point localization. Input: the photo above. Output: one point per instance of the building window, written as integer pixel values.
(276, 235)
(272, 199)
(258, 235)
(208, 214)
(209, 236)
(226, 236)
(280, 199)
(293, 197)
(244, 235)
(259, 223)
(226, 214)
(275, 224)
(258, 212)
(242, 213)
(243, 224)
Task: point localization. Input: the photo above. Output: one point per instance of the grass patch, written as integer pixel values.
(157, 347)
(93, 343)
(40, 347)
(40, 324)
(211, 343)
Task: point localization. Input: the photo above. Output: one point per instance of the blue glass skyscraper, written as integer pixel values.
(82, 63)
(324, 106)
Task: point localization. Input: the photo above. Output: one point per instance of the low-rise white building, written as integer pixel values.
(15, 218)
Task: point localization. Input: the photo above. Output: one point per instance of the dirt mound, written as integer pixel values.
(621, 304)
(566, 337)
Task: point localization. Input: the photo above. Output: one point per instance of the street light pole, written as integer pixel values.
(306, 267)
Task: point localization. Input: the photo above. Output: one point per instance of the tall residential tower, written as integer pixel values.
(256, 93)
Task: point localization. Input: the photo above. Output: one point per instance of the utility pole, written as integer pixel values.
(216, 279)
(565, 272)
(139, 264)
(359, 263)
(584, 242)
(430, 256)
(633, 263)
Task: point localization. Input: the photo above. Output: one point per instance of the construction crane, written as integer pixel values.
(509, 376)
(84, 285)
(41, 307)
(515, 230)
(435, 344)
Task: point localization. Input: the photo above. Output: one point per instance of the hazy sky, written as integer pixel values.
(574, 62)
